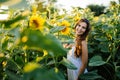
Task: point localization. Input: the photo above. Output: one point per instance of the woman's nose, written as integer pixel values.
(80, 28)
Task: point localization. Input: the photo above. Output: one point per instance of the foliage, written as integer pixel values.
(35, 52)
(97, 9)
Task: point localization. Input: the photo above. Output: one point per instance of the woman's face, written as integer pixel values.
(80, 28)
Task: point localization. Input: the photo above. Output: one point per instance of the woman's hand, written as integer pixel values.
(67, 45)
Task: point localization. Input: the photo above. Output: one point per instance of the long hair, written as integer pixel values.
(79, 39)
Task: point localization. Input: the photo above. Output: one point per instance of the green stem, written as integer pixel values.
(114, 45)
(108, 58)
(54, 61)
(58, 35)
(26, 56)
(17, 65)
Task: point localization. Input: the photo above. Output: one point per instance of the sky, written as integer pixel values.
(66, 4)
(82, 3)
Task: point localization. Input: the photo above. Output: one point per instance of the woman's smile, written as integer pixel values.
(81, 28)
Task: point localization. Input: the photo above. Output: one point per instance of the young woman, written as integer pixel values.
(78, 54)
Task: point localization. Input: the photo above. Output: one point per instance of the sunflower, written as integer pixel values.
(1, 55)
(65, 31)
(103, 19)
(36, 22)
(31, 66)
(65, 23)
(76, 18)
(95, 18)
(53, 21)
(34, 9)
(45, 52)
(24, 39)
(4, 63)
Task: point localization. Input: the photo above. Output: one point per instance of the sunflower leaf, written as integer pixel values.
(56, 29)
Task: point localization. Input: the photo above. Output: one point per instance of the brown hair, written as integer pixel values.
(78, 47)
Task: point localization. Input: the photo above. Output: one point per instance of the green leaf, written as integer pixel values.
(118, 74)
(90, 49)
(107, 71)
(51, 62)
(39, 41)
(1, 59)
(53, 75)
(12, 75)
(56, 29)
(15, 32)
(44, 74)
(68, 38)
(90, 76)
(9, 22)
(106, 46)
(19, 60)
(96, 61)
(11, 65)
(3, 1)
(68, 64)
(5, 41)
(101, 38)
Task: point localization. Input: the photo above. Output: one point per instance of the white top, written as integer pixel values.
(73, 74)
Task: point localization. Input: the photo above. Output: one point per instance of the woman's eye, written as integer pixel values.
(84, 27)
(79, 25)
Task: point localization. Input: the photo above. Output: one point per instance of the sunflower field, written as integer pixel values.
(31, 43)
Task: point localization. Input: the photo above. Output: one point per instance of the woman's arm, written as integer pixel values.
(67, 45)
(84, 57)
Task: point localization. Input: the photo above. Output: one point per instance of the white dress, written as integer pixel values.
(73, 74)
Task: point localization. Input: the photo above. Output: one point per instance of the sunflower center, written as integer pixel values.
(35, 23)
(64, 29)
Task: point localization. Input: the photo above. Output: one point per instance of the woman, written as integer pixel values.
(78, 55)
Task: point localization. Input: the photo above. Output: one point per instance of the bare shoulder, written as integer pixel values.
(84, 42)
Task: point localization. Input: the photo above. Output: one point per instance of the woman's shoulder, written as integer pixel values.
(84, 42)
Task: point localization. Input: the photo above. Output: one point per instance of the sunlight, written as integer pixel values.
(3, 14)
(67, 4)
